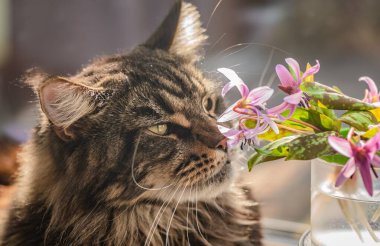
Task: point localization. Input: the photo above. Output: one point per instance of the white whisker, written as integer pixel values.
(236, 65)
(187, 216)
(212, 13)
(266, 67)
(196, 216)
(271, 79)
(251, 44)
(217, 41)
(133, 167)
(171, 218)
(158, 217)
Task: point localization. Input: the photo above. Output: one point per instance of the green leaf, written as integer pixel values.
(359, 119)
(315, 87)
(344, 132)
(310, 146)
(272, 151)
(270, 135)
(321, 108)
(332, 98)
(338, 159)
(318, 119)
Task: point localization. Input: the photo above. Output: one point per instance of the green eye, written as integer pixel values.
(160, 129)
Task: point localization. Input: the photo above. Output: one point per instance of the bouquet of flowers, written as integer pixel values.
(313, 121)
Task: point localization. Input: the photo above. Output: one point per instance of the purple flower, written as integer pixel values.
(290, 84)
(372, 95)
(234, 136)
(251, 102)
(361, 155)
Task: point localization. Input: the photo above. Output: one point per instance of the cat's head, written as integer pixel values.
(142, 125)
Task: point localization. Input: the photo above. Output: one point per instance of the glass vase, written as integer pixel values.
(347, 215)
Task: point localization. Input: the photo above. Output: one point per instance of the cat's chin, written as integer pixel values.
(211, 187)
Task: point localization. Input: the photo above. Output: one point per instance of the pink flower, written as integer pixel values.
(245, 134)
(362, 156)
(251, 101)
(372, 95)
(290, 84)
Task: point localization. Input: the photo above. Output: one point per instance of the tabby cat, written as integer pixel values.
(127, 152)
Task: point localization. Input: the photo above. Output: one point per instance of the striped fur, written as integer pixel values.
(93, 174)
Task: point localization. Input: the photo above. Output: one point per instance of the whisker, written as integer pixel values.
(196, 215)
(217, 41)
(271, 79)
(133, 164)
(158, 217)
(266, 67)
(187, 216)
(254, 43)
(235, 52)
(236, 65)
(171, 218)
(212, 13)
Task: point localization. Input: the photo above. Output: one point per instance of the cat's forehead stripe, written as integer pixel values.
(187, 77)
(171, 75)
(164, 102)
(169, 83)
(180, 119)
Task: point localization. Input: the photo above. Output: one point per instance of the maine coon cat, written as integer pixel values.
(127, 152)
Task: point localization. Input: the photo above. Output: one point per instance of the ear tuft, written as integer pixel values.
(190, 36)
(64, 102)
(34, 77)
(181, 32)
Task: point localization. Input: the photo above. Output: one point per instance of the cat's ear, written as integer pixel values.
(181, 32)
(64, 102)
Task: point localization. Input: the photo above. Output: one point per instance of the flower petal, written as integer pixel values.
(271, 123)
(229, 114)
(341, 145)
(365, 172)
(294, 98)
(260, 95)
(373, 144)
(285, 77)
(311, 71)
(295, 66)
(279, 108)
(235, 80)
(376, 161)
(292, 109)
(227, 132)
(373, 91)
(253, 133)
(347, 171)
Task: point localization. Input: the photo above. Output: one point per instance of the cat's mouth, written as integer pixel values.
(208, 175)
(219, 176)
(201, 186)
(204, 167)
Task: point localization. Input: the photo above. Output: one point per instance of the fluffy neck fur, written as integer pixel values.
(63, 220)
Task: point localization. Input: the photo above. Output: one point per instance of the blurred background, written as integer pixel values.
(250, 36)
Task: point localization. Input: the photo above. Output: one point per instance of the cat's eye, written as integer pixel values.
(160, 129)
(208, 104)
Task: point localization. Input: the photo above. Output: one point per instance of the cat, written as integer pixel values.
(127, 152)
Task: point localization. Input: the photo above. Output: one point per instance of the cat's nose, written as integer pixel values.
(210, 135)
